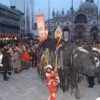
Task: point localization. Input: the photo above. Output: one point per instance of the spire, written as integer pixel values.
(53, 14)
(57, 14)
(72, 5)
(62, 12)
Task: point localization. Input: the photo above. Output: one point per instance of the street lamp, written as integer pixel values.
(97, 11)
(98, 16)
(48, 16)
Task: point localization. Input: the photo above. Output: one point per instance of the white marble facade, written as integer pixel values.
(83, 23)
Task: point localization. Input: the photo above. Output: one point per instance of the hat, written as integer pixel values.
(48, 66)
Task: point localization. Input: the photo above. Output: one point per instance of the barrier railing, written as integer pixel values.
(9, 69)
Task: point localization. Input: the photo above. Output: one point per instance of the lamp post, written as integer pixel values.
(98, 18)
(25, 17)
(97, 11)
(72, 19)
(48, 16)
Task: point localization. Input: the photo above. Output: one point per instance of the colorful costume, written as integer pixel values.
(52, 81)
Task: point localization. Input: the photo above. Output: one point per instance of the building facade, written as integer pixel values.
(22, 24)
(26, 7)
(9, 20)
(82, 24)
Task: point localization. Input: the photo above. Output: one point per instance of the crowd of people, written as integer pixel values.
(24, 54)
(19, 55)
(16, 56)
(92, 43)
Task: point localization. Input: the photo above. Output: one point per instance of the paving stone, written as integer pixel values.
(27, 86)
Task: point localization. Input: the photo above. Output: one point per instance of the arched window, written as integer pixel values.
(81, 18)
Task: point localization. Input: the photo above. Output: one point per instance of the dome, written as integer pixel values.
(89, 6)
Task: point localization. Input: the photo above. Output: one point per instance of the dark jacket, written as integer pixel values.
(5, 60)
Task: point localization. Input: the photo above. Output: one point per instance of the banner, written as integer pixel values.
(58, 33)
(41, 27)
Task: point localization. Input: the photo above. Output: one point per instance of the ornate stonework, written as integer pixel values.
(83, 23)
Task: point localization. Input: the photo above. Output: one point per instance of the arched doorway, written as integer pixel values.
(79, 30)
(66, 34)
(94, 33)
(80, 18)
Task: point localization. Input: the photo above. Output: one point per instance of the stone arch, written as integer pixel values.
(80, 30)
(66, 34)
(80, 18)
(94, 33)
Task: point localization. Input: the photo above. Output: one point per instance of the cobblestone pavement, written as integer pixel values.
(27, 86)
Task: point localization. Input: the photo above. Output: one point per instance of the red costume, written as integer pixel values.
(52, 81)
(25, 56)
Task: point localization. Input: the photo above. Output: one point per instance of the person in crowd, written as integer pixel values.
(91, 81)
(1, 56)
(25, 58)
(17, 63)
(33, 57)
(11, 56)
(62, 73)
(52, 81)
(4, 62)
